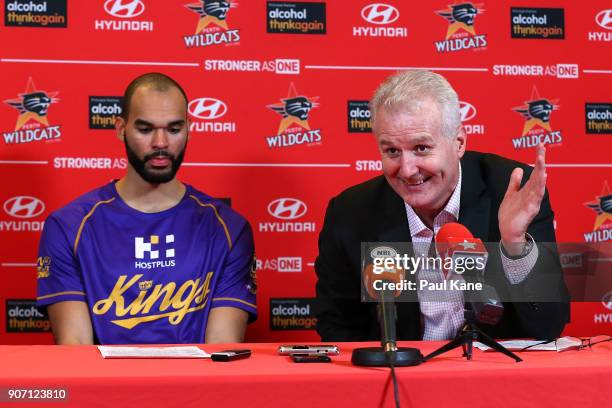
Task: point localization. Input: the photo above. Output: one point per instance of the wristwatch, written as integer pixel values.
(529, 243)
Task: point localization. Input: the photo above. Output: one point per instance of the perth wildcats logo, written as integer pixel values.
(602, 206)
(32, 123)
(294, 128)
(461, 34)
(212, 28)
(537, 128)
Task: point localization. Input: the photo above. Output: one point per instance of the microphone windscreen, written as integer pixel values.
(452, 230)
(393, 275)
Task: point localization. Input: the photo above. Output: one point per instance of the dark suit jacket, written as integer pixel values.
(373, 212)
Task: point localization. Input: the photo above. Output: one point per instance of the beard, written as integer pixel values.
(153, 175)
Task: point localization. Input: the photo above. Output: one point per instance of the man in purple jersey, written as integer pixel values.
(148, 259)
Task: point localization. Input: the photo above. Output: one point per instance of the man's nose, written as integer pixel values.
(160, 138)
(408, 166)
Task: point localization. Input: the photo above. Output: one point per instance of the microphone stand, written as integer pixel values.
(388, 355)
(466, 337)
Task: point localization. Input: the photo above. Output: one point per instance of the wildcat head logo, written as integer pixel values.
(602, 205)
(298, 107)
(33, 104)
(294, 109)
(211, 12)
(460, 17)
(537, 129)
(537, 112)
(461, 34)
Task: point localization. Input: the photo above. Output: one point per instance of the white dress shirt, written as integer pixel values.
(442, 320)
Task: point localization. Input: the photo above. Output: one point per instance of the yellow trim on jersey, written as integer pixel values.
(89, 214)
(59, 294)
(236, 300)
(229, 240)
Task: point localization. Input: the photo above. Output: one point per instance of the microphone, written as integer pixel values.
(385, 287)
(456, 242)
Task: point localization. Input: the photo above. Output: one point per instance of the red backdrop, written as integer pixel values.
(237, 68)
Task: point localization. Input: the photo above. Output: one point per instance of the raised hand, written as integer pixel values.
(520, 205)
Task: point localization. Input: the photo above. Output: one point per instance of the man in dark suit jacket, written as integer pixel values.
(427, 171)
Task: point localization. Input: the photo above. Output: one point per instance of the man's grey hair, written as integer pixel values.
(407, 90)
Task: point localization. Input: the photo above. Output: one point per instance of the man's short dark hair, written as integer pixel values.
(155, 80)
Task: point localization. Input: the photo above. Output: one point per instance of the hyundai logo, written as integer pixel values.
(467, 110)
(379, 13)
(604, 19)
(287, 208)
(207, 108)
(124, 8)
(607, 300)
(24, 207)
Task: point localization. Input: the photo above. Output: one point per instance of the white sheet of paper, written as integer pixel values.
(563, 343)
(152, 352)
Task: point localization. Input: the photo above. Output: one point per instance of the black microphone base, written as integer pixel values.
(375, 357)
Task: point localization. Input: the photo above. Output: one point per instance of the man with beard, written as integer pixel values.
(148, 259)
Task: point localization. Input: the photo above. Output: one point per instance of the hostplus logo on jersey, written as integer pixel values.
(461, 34)
(468, 112)
(602, 206)
(104, 111)
(126, 16)
(294, 129)
(212, 27)
(25, 214)
(382, 22)
(32, 123)
(286, 211)
(207, 114)
(603, 23)
(537, 128)
(152, 254)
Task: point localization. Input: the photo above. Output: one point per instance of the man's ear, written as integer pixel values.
(460, 141)
(120, 128)
(188, 124)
